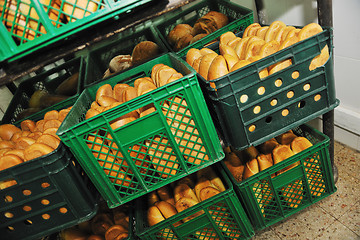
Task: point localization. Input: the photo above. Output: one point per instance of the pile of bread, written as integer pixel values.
(184, 34)
(156, 152)
(21, 17)
(256, 43)
(30, 141)
(246, 163)
(107, 224)
(183, 194)
(141, 52)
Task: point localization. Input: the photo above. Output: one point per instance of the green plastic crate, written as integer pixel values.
(223, 218)
(52, 193)
(47, 80)
(159, 130)
(99, 55)
(249, 110)
(268, 200)
(40, 23)
(239, 18)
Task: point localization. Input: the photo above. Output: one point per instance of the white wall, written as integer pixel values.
(346, 20)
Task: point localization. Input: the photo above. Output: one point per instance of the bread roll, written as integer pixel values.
(240, 48)
(208, 192)
(201, 183)
(28, 125)
(116, 232)
(165, 194)
(225, 38)
(53, 123)
(235, 166)
(192, 55)
(6, 144)
(184, 191)
(53, 114)
(197, 38)
(205, 63)
(8, 130)
(218, 68)
(185, 203)
(249, 27)
(273, 30)
(78, 9)
(144, 51)
(8, 161)
(286, 138)
(251, 168)
(183, 42)
(49, 140)
(120, 63)
(166, 209)
(24, 142)
(178, 32)
(154, 215)
(264, 161)
(261, 32)
(282, 152)
(62, 114)
(104, 90)
(37, 150)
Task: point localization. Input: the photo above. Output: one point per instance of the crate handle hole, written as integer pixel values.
(268, 119)
(27, 192)
(295, 74)
(307, 87)
(278, 82)
(273, 102)
(252, 128)
(285, 112)
(10, 228)
(27, 208)
(9, 215)
(257, 109)
(45, 185)
(301, 104)
(8, 198)
(28, 222)
(261, 90)
(45, 216)
(244, 98)
(290, 94)
(317, 97)
(63, 210)
(45, 202)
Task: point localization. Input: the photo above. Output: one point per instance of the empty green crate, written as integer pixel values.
(46, 81)
(239, 18)
(268, 199)
(181, 140)
(29, 25)
(100, 55)
(249, 110)
(223, 218)
(51, 193)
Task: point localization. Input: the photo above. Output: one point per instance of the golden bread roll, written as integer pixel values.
(264, 161)
(239, 64)
(154, 215)
(91, 113)
(208, 192)
(165, 194)
(8, 161)
(282, 152)
(230, 61)
(185, 203)
(152, 198)
(225, 49)
(129, 93)
(178, 32)
(78, 9)
(166, 209)
(261, 32)
(143, 51)
(253, 48)
(320, 59)
(205, 63)
(118, 91)
(104, 90)
(251, 168)
(62, 114)
(234, 42)
(286, 138)
(205, 51)
(210, 174)
(53, 123)
(8, 130)
(116, 232)
(196, 63)
(174, 77)
(36, 135)
(163, 74)
(247, 29)
(49, 140)
(225, 38)
(106, 101)
(192, 55)
(154, 70)
(17, 152)
(118, 64)
(236, 170)
(24, 142)
(253, 31)
(218, 68)
(300, 144)
(53, 114)
(28, 125)
(6, 144)
(197, 37)
(184, 191)
(273, 30)
(269, 48)
(240, 48)
(201, 183)
(267, 146)
(37, 150)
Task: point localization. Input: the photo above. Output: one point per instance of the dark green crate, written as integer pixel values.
(268, 200)
(52, 193)
(239, 18)
(47, 80)
(99, 56)
(39, 30)
(229, 222)
(239, 121)
(148, 129)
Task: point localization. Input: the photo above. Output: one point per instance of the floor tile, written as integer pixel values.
(351, 218)
(347, 194)
(337, 231)
(266, 234)
(348, 160)
(306, 224)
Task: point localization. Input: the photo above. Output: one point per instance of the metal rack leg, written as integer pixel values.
(328, 129)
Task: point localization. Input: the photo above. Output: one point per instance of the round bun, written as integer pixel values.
(37, 150)
(7, 131)
(144, 51)
(28, 125)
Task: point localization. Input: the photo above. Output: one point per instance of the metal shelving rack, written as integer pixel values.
(325, 18)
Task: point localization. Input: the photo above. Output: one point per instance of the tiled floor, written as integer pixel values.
(335, 217)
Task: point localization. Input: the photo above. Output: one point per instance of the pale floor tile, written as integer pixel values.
(351, 218)
(337, 231)
(348, 160)
(266, 234)
(306, 224)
